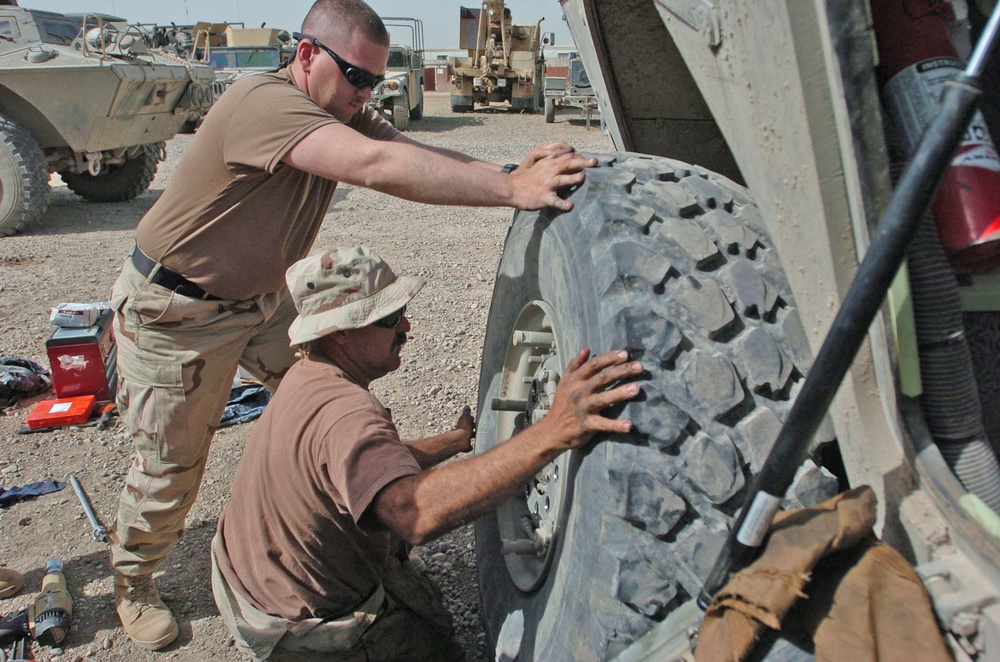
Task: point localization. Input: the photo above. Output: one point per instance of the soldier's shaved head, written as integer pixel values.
(336, 20)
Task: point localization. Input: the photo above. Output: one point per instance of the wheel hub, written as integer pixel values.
(530, 525)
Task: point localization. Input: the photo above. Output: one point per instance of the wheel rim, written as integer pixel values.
(530, 523)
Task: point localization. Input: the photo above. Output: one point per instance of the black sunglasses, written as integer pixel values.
(355, 75)
(392, 320)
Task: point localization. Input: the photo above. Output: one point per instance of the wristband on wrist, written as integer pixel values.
(509, 168)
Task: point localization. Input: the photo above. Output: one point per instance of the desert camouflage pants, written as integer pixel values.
(404, 620)
(177, 357)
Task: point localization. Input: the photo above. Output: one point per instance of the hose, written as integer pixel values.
(950, 398)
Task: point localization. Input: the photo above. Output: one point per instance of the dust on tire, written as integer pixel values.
(401, 113)
(24, 178)
(672, 262)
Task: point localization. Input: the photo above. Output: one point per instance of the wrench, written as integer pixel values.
(100, 533)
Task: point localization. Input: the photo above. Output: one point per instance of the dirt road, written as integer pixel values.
(74, 255)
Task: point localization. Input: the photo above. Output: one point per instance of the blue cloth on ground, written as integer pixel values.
(15, 494)
(245, 404)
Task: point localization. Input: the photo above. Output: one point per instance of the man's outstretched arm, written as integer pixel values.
(409, 170)
(421, 507)
(434, 450)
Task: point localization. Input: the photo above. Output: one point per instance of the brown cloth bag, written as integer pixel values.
(864, 600)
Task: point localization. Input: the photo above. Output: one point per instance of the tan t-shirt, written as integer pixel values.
(235, 217)
(292, 539)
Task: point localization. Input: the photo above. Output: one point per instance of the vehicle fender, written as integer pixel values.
(22, 111)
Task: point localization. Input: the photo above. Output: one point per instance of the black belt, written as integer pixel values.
(171, 280)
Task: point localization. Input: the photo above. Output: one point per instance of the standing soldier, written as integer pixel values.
(202, 292)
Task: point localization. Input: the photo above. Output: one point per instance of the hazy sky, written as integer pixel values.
(440, 17)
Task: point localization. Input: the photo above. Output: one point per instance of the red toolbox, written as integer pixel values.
(65, 411)
(83, 360)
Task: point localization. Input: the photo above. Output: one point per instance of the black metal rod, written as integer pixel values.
(987, 41)
(874, 276)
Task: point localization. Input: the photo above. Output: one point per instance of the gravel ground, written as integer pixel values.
(74, 254)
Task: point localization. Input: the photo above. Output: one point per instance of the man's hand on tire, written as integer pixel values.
(546, 171)
(583, 392)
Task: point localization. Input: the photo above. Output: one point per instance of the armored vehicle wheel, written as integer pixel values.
(417, 112)
(24, 178)
(460, 107)
(672, 262)
(401, 113)
(550, 111)
(116, 183)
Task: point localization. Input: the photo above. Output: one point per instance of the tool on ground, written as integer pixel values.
(105, 413)
(885, 254)
(20, 652)
(14, 628)
(62, 412)
(100, 533)
(52, 612)
(47, 620)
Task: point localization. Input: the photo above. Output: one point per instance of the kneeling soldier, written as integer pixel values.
(304, 557)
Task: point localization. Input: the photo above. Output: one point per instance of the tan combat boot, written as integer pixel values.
(147, 621)
(10, 582)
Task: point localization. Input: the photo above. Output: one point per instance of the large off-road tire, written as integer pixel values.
(550, 111)
(673, 263)
(417, 112)
(116, 183)
(460, 107)
(24, 178)
(401, 113)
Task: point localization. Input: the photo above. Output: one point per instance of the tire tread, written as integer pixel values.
(120, 184)
(687, 280)
(31, 188)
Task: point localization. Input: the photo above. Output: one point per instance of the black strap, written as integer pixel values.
(164, 277)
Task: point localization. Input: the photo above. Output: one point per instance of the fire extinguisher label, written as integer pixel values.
(978, 156)
(911, 97)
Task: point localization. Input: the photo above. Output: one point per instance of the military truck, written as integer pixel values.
(401, 95)
(503, 62)
(571, 90)
(759, 144)
(240, 52)
(88, 100)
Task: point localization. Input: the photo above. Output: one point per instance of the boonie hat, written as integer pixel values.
(344, 288)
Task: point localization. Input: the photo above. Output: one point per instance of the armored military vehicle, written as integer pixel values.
(89, 100)
(760, 142)
(401, 95)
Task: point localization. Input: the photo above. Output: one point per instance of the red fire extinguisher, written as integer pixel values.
(916, 59)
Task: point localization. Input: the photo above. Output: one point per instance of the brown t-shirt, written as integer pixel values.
(235, 217)
(292, 538)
